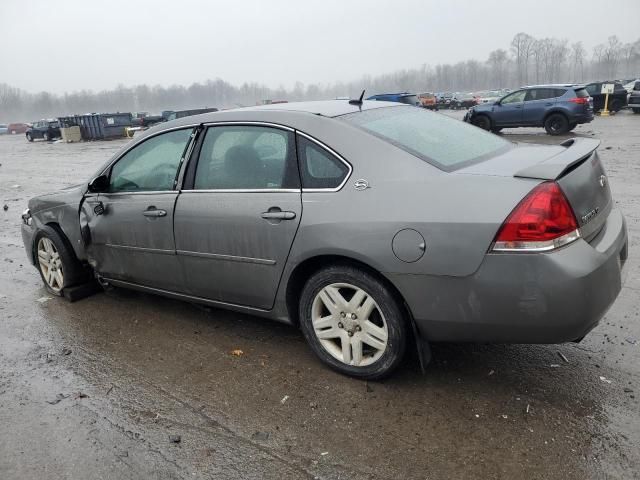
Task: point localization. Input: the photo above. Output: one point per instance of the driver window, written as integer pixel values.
(515, 97)
(152, 165)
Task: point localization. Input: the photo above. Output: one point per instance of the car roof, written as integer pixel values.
(324, 108)
(555, 85)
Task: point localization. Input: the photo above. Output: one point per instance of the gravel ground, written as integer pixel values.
(127, 385)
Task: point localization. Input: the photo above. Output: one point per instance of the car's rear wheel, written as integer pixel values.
(482, 121)
(556, 124)
(353, 322)
(57, 264)
(572, 126)
(29, 137)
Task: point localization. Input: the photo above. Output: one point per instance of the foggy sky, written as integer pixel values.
(68, 45)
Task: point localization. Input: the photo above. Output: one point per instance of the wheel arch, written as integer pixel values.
(305, 269)
(553, 112)
(55, 226)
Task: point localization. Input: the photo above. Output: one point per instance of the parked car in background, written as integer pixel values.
(489, 96)
(3, 128)
(557, 108)
(634, 98)
(15, 128)
(630, 85)
(249, 211)
(463, 100)
(169, 115)
(428, 100)
(617, 100)
(402, 97)
(44, 129)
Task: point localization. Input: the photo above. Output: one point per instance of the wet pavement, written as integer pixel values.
(126, 385)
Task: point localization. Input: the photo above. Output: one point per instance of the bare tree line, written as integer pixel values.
(527, 60)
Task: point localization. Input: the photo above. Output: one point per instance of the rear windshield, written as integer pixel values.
(581, 93)
(442, 141)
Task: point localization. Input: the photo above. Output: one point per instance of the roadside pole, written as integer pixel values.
(607, 88)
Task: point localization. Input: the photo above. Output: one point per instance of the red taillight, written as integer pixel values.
(579, 100)
(542, 221)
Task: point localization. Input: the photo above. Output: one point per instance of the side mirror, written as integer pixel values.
(99, 184)
(497, 102)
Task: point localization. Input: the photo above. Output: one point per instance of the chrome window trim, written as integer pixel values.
(236, 123)
(335, 154)
(243, 190)
(143, 192)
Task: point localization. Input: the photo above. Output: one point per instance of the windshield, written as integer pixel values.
(444, 142)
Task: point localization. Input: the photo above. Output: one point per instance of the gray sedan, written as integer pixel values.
(373, 226)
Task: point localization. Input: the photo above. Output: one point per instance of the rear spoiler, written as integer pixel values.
(576, 151)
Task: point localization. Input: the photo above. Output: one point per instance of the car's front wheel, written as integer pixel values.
(353, 322)
(29, 137)
(556, 124)
(482, 121)
(57, 264)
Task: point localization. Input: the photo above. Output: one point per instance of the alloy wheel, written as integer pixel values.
(349, 324)
(50, 264)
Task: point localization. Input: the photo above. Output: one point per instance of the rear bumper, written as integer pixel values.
(523, 298)
(582, 118)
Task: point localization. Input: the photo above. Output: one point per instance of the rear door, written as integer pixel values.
(128, 230)
(538, 102)
(238, 213)
(509, 110)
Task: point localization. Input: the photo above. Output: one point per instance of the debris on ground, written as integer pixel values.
(260, 436)
(43, 299)
(58, 398)
(491, 372)
(123, 453)
(369, 389)
(561, 355)
(109, 391)
(527, 408)
(631, 340)
(66, 351)
(175, 438)
(314, 405)
(6, 207)
(628, 390)
(284, 399)
(605, 379)
(79, 395)
(237, 352)
(324, 453)
(554, 365)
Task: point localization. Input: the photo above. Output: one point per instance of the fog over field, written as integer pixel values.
(158, 55)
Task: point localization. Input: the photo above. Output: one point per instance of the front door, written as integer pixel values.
(128, 229)
(509, 110)
(238, 214)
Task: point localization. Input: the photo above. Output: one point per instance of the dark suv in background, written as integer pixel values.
(557, 108)
(45, 129)
(634, 98)
(617, 100)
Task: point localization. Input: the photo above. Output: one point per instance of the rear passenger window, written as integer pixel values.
(319, 168)
(544, 93)
(246, 158)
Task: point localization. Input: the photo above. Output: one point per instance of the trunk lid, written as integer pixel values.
(574, 165)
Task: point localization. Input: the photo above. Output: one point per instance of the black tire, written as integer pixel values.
(556, 124)
(482, 121)
(29, 137)
(615, 106)
(496, 130)
(73, 271)
(572, 126)
(388, 306)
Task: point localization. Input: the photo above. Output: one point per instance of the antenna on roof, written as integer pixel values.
(358, 101)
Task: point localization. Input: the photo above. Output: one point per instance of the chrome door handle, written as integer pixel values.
(279, 215)
(152, 212)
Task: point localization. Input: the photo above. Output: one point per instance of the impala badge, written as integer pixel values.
(603, 180)
(361, 184)
(589, 215)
